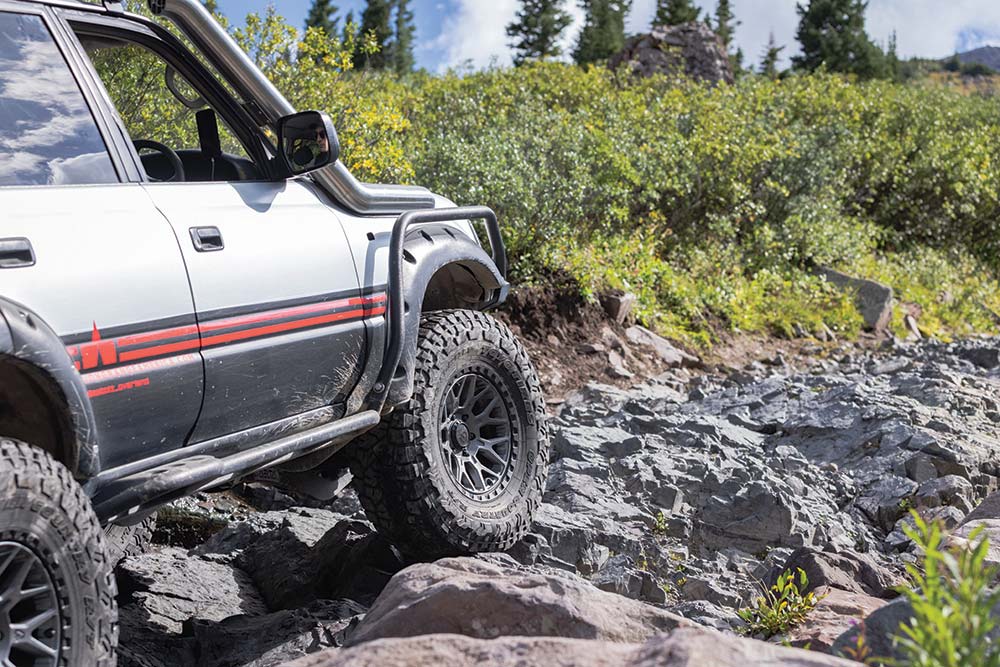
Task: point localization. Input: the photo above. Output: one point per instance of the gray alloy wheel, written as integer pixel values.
(29, 610)
(476, 441)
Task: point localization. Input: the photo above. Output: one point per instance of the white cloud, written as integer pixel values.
(476, 31)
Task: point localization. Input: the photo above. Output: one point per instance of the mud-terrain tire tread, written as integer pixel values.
(31, 472)
(392, 472)
(127, 541)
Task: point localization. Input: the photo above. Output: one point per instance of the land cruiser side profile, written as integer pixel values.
(177, 316)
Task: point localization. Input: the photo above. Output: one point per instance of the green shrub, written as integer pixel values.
(713, 204)
(952, 593)
(782, 606)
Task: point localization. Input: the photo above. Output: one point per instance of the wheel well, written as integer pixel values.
(454, 285)
(33, 410)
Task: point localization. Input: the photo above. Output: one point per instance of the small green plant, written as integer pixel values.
(781, 607)
(660, 529)
(952, 595)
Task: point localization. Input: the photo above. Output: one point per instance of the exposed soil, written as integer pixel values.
(561, 330)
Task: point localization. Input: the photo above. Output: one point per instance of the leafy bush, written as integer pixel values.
(781, 608)
(713, 204)
(952, 594)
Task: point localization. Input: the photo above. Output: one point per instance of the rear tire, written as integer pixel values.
(461, 467)
(127, 541)
(54, 567)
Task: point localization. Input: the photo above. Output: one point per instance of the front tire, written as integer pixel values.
(461, 467)
(57, 589)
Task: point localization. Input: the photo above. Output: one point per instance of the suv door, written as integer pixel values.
(276, 294)
(91, 256)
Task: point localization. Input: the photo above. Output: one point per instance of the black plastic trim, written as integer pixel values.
(396, 304)
(29, 339)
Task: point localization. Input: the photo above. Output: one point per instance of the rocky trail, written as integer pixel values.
(668, 506)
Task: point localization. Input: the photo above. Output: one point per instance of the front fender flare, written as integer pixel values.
(476, 284)
(28, 338)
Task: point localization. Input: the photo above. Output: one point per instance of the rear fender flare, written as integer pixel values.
(29, 339)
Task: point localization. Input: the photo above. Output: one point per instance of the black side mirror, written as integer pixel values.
(307, 141)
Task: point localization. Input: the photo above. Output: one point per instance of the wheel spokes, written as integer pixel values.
(29, 609)
(473, 411)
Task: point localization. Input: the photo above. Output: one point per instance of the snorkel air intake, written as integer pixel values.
(198, 25)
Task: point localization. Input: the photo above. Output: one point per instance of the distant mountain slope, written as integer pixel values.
(987, 55)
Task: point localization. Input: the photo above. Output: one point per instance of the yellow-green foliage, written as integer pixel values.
(952, 593)
(782, 606)
(713, 204)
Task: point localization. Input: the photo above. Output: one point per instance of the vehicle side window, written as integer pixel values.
(47, 134)
(164, 113)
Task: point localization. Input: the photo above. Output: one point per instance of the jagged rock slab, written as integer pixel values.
(170, 587)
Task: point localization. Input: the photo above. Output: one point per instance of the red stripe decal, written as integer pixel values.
(102, 352)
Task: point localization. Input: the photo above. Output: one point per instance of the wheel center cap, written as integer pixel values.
(460, 435)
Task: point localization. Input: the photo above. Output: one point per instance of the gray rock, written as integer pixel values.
(874, 300)
(984, 357)
(687, 647)
(948, 490)
(469, 597)
(665, 350)
(620, 575)
(879, 630)
(265, 641)
(847, 571)
(618, 305)
(691, 48)
(171, 587)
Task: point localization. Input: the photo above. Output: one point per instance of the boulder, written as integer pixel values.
(618, 305)
(836, 612)
(687, 647)
(692, 49)
(874, 300)
(847, 571)
(469, 597)
(664, 349)
(879, 629)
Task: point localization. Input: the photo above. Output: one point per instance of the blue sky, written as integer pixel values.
(452, 33)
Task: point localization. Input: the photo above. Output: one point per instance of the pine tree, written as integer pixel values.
(375, 22)
(769, 59)
(725, 23)
(892, 62)
(603, 32)
(536, 30)
(675, 12)
(401, 50)
(322, 14)
(832, 34)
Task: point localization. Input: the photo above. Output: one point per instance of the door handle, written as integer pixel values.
(16, 253)
(207, 239)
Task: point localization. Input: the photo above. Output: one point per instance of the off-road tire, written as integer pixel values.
(400, 470)
(46, 519)
(126, 541)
